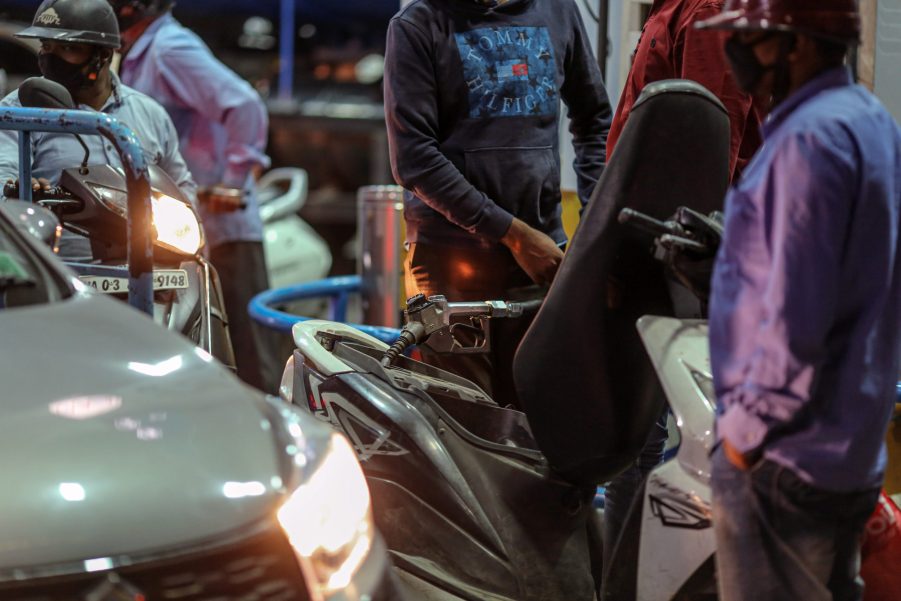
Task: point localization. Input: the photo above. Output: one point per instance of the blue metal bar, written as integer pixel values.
(25, 166)
(261, 311)
(286, 51)
(339, 306)
(140, 243)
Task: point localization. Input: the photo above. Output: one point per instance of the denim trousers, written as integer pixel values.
(242, 274)
(778, 537)
(621, 492)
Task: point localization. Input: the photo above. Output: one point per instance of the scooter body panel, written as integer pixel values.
(676, 512)
(680, 354)
(295, 253)
(459, 492)
(676, 532)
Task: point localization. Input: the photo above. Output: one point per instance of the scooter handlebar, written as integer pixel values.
(11, 190)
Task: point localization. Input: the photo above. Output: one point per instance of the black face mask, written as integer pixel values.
(73, 77)
(748, 71)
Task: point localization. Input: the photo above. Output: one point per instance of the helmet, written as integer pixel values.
(129, 12)
(79, 21)
(837, 20)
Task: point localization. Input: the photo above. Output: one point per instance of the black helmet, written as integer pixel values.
(129, 12)
(79, 21)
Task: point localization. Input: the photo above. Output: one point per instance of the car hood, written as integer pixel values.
(120, 438)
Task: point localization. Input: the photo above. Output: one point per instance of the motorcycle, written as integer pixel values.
(478, 501)
(91, 201)
(295, 253)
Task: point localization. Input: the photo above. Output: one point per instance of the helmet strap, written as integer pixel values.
(95, 65)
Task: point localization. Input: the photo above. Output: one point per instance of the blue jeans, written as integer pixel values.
(778, 537)
(620, 492)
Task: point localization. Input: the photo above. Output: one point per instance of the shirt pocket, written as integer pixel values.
(525, 181)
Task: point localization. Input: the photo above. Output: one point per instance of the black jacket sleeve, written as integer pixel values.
(411, 115)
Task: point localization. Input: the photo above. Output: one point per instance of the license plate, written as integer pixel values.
(163, 279)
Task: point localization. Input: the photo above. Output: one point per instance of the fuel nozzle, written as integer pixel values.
(423, 316)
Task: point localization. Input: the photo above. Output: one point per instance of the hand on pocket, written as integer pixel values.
(535, 252)
(742, 461)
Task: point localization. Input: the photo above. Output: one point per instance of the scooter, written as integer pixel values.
(295, 253)
(92, 201)
(481, 502)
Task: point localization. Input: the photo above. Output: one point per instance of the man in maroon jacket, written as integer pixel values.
(671, 48)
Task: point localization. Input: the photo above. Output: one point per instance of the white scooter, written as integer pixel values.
(295, 253)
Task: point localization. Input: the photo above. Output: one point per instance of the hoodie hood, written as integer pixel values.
(494, 4)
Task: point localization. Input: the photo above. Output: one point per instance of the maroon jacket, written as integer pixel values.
(671, 48)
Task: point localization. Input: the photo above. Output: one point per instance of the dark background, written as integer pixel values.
(333, 124)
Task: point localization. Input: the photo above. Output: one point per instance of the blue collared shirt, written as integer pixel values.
(805, 313)
(54, 152)
(220, 118)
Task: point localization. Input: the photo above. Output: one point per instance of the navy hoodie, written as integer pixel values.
(472, 96)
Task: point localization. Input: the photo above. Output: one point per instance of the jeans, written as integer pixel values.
(242, 274)
(620, 492)
(778, 537)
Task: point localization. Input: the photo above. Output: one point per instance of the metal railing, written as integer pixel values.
(337, 290)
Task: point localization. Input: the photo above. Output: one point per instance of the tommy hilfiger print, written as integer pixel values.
(510, 71)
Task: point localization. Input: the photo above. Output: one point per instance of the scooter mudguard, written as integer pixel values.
(581, 372)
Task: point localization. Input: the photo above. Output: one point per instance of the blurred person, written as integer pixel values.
(805, 311)
(78, 38)
(222, 123)
(671, 48)
(472, 95)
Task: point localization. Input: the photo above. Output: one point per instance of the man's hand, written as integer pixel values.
(534, 251)
(743, 462)
(37, 183)
(221, 198)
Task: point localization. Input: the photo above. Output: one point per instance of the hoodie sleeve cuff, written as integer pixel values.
(494, 224)
(745, 432)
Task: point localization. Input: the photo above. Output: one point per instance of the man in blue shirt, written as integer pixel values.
(77, 42)
(222, 124)
(805, 312)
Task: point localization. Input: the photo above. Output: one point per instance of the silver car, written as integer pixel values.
(135, 467)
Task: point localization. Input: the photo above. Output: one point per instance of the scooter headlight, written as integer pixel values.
(176, 225)
(328, 520)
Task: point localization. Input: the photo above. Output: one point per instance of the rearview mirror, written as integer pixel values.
(41, 93)
(33, 220)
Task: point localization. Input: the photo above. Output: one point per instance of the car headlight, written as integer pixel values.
(175, 225)
(328, 519)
